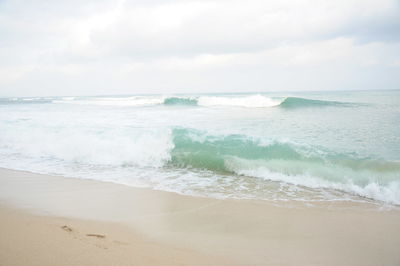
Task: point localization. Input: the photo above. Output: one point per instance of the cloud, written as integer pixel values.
(182, 28)
(158, 46)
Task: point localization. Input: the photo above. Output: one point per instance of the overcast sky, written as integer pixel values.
(85, 47)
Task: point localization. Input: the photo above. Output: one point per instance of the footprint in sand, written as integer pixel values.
(69, 229)
(96, 235)
(66, 228)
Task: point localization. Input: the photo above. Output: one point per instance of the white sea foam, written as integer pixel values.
(253, 101)
(317, 177)
(146, 148)
(114, 101)
(48, 150)
(30, 99)
(68, 98)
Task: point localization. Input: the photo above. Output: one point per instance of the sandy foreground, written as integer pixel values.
(49, 220)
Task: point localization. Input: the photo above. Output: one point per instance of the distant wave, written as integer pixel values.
(113, 101)
(180, 101)
(35, 100)
(252, 101)
(296, 102)
(248, 101)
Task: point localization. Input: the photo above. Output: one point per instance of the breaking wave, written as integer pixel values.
(296, 102)
(180, 101)
(113, 101)
(35, 100)
(287, 162)
(239, 155)
(251, 101)
(254, 101)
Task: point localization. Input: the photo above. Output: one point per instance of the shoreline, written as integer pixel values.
(246, 232)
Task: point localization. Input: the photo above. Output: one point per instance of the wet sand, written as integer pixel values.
(50, 220)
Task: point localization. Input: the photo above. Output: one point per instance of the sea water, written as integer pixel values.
(308, 146)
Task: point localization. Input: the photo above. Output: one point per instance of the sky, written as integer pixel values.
(104, 47)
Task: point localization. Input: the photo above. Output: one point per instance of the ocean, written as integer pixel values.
(277, 146)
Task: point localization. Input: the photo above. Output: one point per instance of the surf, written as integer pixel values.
(247, 101)
(180, 101)
(305, 165)
(297, 102)
(233, 144)
(253, 101)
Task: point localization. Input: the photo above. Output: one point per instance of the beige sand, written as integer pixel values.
(28, 239)
(145, 227)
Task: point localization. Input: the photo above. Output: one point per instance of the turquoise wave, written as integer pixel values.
(242, 155)
(10, 101)
(180, 101)
(287, 103)
(296, 102)
(195, 149)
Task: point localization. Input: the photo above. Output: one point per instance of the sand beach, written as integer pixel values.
(51, 220)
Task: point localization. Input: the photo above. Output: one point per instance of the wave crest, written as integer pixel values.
(253, 101)
(296, 102)
(287, 162)
(221, 155)
(180, 101)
